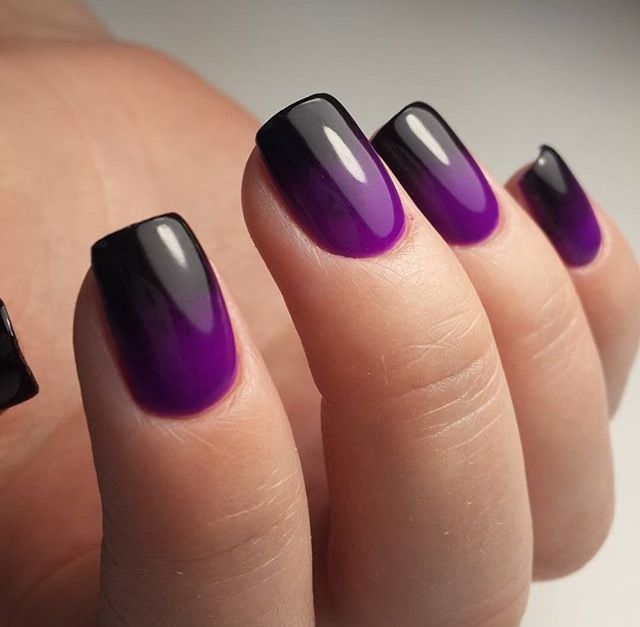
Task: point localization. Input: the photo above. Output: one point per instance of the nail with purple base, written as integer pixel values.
(167, 316)
(331, 178)
(439, 174)
(17, 383)
(560, 206)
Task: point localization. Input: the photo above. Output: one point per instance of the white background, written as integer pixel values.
(508, 75)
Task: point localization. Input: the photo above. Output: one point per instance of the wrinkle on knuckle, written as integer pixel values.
(253, 532)
(444, 348)
(457, 406)
(445, 394)
(554, 325)
(560, 348)
(504, 607)
(239, 555)
(272, 511)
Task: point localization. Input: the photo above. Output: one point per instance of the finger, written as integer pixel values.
(17, 383)
(429, 515)
(598, 257)
(546, 347)
(205, 518)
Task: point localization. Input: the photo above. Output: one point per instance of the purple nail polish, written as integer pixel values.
(331, 178)
(561, 208)
(167, 315)
(439, 174)
(17, 383)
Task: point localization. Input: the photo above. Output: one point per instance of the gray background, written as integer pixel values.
(508, 75)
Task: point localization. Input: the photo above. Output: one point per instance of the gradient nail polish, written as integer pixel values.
(561, 208)
(439, 174)
(331, 178)
(17, 383)
(167, 315)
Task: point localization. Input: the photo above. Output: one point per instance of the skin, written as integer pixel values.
(446, 491)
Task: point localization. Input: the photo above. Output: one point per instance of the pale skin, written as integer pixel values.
(466, 453)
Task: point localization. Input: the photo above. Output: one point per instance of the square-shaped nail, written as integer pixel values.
(167, 316)
(17, 383)
(331, 178)
(560, 206)
(439, 174)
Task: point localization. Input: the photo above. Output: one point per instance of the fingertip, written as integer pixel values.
(607, 279)
(213, 493)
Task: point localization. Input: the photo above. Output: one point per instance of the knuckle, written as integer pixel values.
(462, 409)
(446, 390)
(503, 608)
(251, 540)
(562, 355)
(435, 354)
(248, 532)
(453, 383)
(555, 324)
(247, 523)
(261, 529)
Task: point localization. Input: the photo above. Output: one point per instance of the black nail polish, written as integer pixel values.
(17, 383)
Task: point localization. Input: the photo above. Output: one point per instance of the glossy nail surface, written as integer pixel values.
(17, 383)
(331, 178)
(167, 315)
(561, 208)
(439, 174)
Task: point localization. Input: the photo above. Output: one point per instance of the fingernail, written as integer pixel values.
(167, 316)
(17, 383)
(561, 208)
(332, 179)
(439, 174)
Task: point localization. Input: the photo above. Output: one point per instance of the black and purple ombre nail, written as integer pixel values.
(439, 174)
(167, 315)
(561, 208)
(17, 383)
(331, 178)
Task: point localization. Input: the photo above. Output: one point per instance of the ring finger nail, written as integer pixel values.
(167, 315)
(331, 177)
(439, 174)
(17, 383)
(561, 208)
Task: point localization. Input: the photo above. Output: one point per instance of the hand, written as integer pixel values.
(206, 520)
